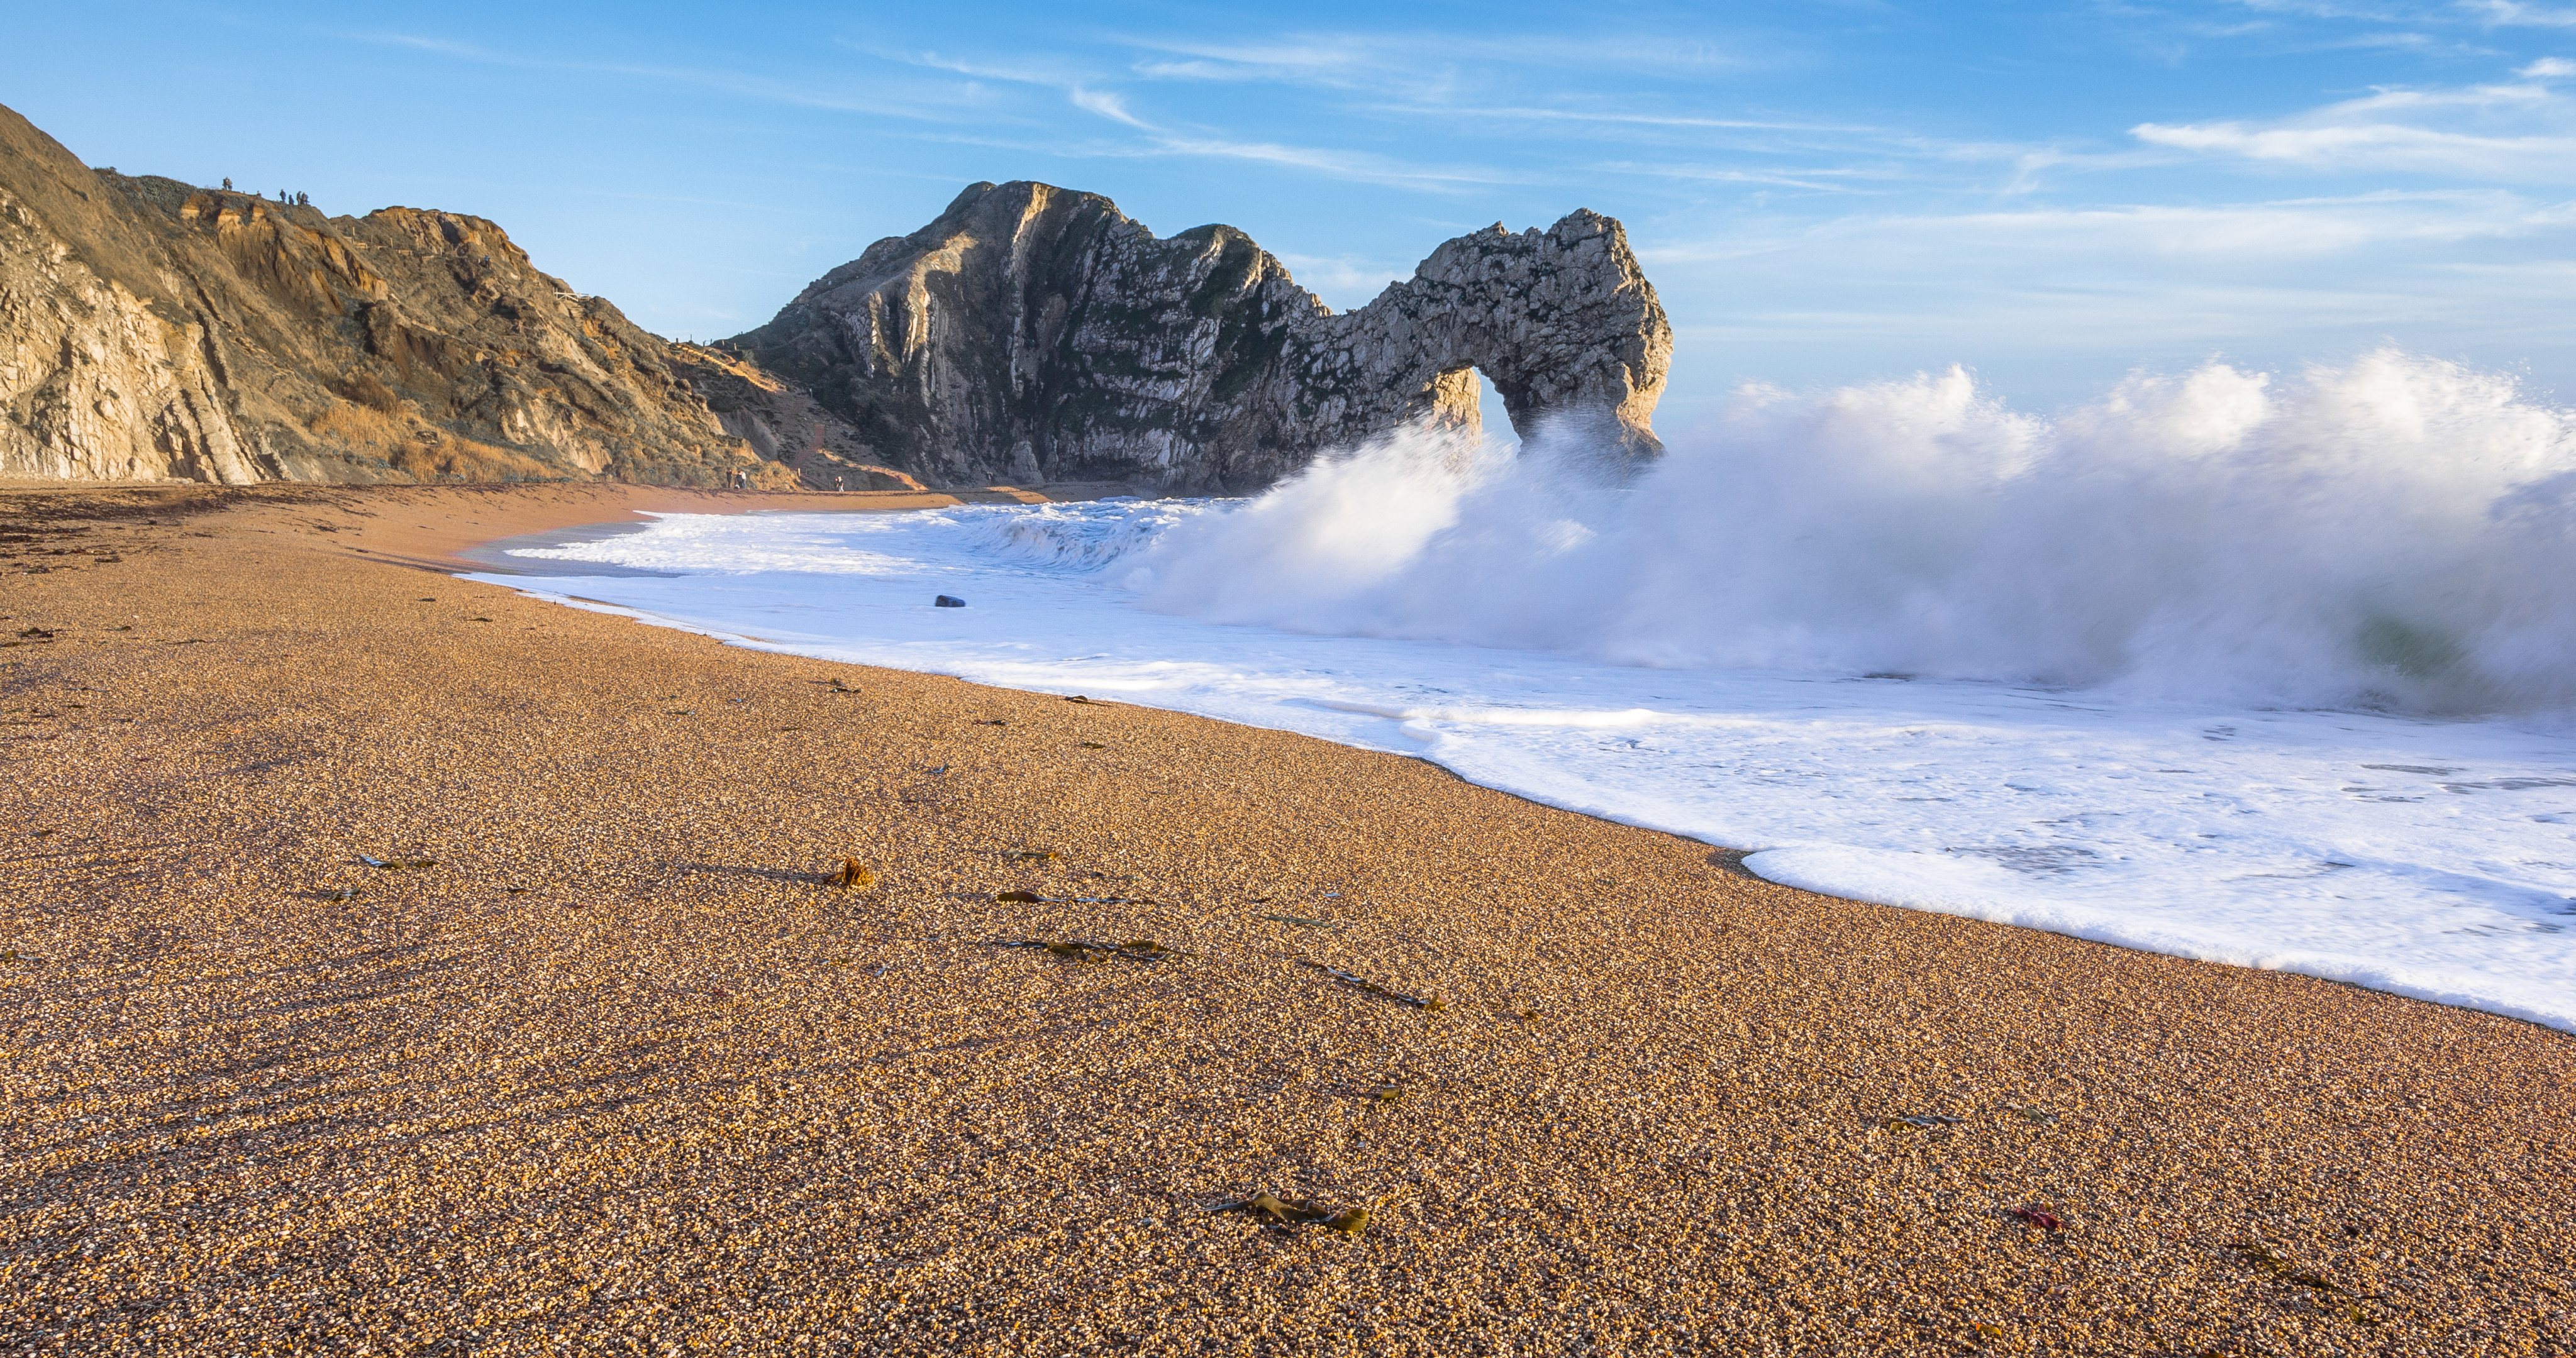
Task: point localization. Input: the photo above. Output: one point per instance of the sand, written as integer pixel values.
(624, 1071)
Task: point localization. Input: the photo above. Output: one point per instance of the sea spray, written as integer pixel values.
(2396, 532)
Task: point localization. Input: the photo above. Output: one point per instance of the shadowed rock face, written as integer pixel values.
(1035, 334)
(150, 329)
(781, 422)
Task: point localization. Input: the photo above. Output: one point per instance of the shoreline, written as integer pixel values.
(2411, 960)
(624, 1067)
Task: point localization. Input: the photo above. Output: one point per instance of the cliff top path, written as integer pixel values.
(602, 1059)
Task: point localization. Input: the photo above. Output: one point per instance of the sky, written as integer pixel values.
(2053, 195)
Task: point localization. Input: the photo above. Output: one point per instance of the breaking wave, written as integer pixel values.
(2398, 532)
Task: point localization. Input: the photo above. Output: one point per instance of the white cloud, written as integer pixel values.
(1107, 105)
(1357, 166)
(2245, 236)
(1635, 119)
(2513, 12)
(2518, 132)
(2053, 301)
(1812, 180)
(916, 102)
(1345, 60)
(1052, 76)
(2548, 68)
(1344, 280)
(2379, 146)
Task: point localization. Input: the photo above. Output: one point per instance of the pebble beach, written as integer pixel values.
(393, 962)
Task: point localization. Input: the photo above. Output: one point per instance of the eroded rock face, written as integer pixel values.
(1034, 334)
(149, 329)
(782, 422)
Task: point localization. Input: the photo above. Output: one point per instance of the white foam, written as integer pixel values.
(2137, 632)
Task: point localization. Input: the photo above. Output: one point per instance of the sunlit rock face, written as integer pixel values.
(1036, 334)
(150, 329)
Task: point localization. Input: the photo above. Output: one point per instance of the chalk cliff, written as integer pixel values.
(1035, 334)
(152, 329)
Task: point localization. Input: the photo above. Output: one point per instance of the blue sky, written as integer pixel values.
(1823, 193)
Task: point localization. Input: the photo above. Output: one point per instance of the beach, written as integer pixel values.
(603, 1058)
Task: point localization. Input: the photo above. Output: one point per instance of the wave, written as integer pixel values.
(1082, 536)
(2398, 532)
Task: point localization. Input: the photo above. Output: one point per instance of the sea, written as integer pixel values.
(2273, 670)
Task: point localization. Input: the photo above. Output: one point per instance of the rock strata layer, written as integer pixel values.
(1035, 334)
(150, 329)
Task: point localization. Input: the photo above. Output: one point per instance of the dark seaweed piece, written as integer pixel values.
(2262, 1256)
(1084, 950)
(1372, 987)
(2038, 1216)
(1298, 1212)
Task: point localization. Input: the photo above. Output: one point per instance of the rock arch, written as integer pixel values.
(1034, 329)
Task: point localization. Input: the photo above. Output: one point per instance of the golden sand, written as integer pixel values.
(624, 1069)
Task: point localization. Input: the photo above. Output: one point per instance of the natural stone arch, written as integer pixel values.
(1032, 328)
(1560, 321)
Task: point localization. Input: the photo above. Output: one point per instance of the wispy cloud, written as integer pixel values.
(1345, 280)
(2522, 132)
(1077, 84)
(1356, 167)
(2515, 13)
(1348, 60)
(1337, 163)
(914, 103)
(1623, 119)
(1107, 105)
(2144, 282)
(2384, 146)
(1811, 180)
(2309, 243)
(1174, 139)
(2297, 228)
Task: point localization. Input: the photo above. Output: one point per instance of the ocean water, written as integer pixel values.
(2261, 669)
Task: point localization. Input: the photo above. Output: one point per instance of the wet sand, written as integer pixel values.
(624, 1071)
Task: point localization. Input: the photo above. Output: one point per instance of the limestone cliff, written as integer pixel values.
(1034, 334)
(150, 329)
(782, 422)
